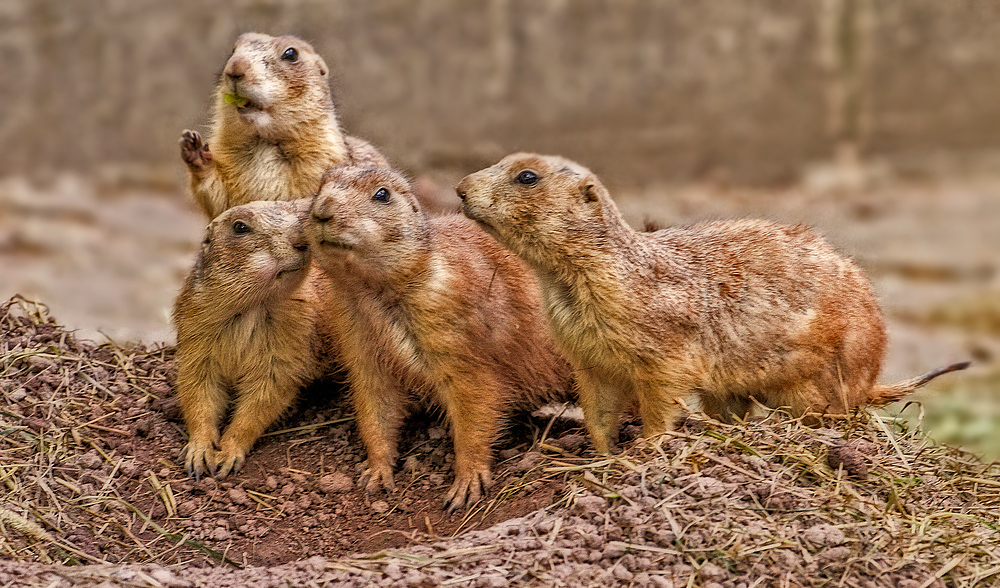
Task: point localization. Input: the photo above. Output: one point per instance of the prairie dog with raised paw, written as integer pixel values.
(274, 129)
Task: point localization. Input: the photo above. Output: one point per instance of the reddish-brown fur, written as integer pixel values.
(429, 308)
(248, 325)
(732, 311)
(278, 146)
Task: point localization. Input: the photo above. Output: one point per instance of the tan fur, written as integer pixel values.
(277, 146)
(248, 325)
(728, 310)
(429, 309)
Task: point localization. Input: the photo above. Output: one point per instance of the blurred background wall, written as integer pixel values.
(638, 89)
(876, 121)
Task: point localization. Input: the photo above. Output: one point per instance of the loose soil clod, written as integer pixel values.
(844, 455)
(89, 438)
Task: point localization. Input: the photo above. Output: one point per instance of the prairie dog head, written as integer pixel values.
(368, 215)
(254, 253)
(538, 206)
(271, 83)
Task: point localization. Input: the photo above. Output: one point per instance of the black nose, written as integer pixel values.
(460, 192)
(234, 75)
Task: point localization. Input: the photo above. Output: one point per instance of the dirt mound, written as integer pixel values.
(89, 438)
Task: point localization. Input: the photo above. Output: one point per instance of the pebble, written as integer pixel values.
(571, 442)
(167, 578)
(707, 487)
(528, 461)
(335, 483)
(591, 503)
(91, 460)
(187, 508)
(846, 455)
(492, 581)
(619, 572)
(380, 506)
(239, 496)
(41, 363)
(131, 469)
(613, 551)
(825, 535)
(219, 534)
(315, 564)
(712, 572)
(143, 427)
(393, 570)
(833, 555)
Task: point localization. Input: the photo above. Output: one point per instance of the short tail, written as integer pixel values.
(888, 393)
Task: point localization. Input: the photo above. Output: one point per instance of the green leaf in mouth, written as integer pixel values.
(236, 99)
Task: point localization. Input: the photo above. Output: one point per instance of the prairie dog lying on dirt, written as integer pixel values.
(729, 310)
(248, 323)
(429, 308)
(274, 128)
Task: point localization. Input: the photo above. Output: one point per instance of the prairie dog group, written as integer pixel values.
(731, 311)
(429, 309)
(544, 291)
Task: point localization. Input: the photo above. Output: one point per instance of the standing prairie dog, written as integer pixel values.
(728, 310)
(248, 323)
(274, 128)
(429, 309)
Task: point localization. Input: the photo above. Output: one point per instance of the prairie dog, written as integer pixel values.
(274, 129)
(248, 325)
(728, 310)
(429, 309)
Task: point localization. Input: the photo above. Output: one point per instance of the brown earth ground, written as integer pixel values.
(89, 437)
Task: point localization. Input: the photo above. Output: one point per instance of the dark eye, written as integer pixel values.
(527, 177)
(290, 54)
(240, 228)
(381, 195)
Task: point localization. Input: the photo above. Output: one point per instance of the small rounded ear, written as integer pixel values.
(589, 191)
(208, 235)
(322, 66)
